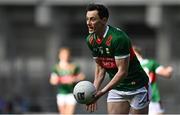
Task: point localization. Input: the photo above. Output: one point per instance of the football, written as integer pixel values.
(84, 92)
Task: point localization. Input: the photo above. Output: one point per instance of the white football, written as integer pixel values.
(84, 92)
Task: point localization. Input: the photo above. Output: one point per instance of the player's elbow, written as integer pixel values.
(123, 73)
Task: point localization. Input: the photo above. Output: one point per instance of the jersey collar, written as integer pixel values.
(107, 28)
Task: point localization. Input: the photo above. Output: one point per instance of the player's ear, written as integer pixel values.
(104, 20)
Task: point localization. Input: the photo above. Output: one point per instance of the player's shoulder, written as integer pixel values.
(118, 33)
(74, 65)
(55, 67)
(115, 30)
(152, 61)
(89, 39)
(89, 36)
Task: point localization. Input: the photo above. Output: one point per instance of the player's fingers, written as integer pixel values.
(87, 107)
(92, 108)
(95, 106)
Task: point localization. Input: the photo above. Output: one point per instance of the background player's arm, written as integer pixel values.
(79, 77)
(165, 72)
(54, 79)
(99, 76)
(122, 65)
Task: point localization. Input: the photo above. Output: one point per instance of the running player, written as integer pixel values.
(112, 51)
(153, 68)
(64, 75)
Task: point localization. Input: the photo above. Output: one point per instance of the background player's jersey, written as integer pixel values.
(117, 45)
(151, 66)
(66, 88)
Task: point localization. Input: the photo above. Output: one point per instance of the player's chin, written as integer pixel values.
(91, 31)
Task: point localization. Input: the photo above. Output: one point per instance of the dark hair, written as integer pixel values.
(102, 10)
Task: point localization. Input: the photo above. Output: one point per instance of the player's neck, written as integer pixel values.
(101, 33)
(63, 63)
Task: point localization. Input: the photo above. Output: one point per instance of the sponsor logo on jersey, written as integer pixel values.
(107, 63)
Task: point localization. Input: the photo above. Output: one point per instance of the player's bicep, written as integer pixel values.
(122, 47)
(123, 64)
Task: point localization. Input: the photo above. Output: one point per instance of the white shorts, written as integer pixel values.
(138, 99)
(155, 108)
(65, 99)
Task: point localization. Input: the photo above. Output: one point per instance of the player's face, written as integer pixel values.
(64, 55)
(94, 23)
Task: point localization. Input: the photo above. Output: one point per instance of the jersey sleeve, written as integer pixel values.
(156, 65)
(122, 46)
(77, 70)
(54, 70)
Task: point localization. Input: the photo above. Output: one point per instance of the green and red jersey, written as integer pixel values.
(151, 67)
(116, 45)
(65, 88)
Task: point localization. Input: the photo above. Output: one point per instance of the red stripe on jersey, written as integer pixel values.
(152, 77)
(132, 54)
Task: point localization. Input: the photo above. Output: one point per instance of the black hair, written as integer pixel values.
(102, 10)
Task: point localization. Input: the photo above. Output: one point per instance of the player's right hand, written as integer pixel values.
(54, 80)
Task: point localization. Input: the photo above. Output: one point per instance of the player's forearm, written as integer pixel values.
(99, 77)
(116, 79)
(98, 81)
(79, 77)
(122, 65)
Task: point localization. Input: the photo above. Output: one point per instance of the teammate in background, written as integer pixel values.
(64, 75)
(153, 68)
(112, 51)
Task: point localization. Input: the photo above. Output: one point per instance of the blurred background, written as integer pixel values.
(32, 31)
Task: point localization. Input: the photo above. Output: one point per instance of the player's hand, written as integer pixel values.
(97, 96)
(92, 106)
(54, 80)
(170, 70)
